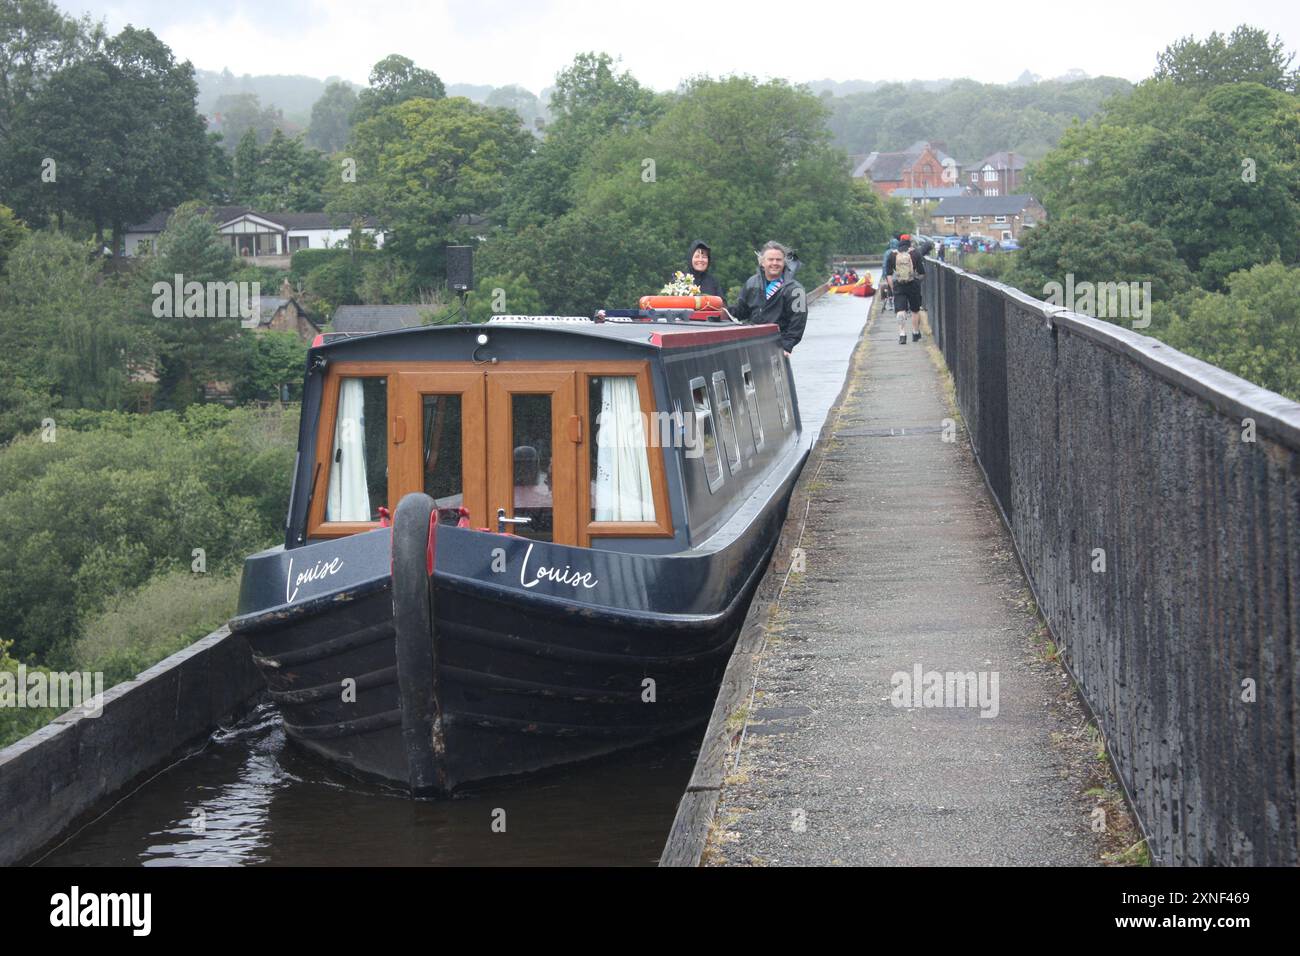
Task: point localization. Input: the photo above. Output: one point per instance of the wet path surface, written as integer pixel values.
(902, 712)
(249, 797)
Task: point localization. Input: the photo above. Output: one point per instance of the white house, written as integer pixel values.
(255, 235)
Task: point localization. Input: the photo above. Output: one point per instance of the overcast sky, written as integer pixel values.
(526, 41)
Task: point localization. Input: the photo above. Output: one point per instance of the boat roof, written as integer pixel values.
(648, 333)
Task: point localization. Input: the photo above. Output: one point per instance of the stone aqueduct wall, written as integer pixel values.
(1094, 437)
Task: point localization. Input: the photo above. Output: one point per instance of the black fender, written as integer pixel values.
(414, 541)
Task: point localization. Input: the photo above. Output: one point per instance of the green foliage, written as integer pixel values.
(70, 333)
(17, 722)
(333, 284)
(873, 219)
(168, 613)
(591, 100)
(307, 260)
(991, 265)
(522, 101)
(970, 119)
(331, 118)
(118, 498)
(12, 232)
(425, 166)
(386, 280)
(1245, 56)
(192, 350)
(1099, 251)
(1252, 330)
(283, 176)
(35, 41)
(1192, 180)
(242, 114)
(735, 161)
(506, 294)
(1215, 169)
(396, 79)
(120, 124)
(268, 361)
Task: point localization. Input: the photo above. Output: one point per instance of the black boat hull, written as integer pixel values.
(529, 672)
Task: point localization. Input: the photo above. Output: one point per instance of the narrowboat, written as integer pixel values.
(520, 544)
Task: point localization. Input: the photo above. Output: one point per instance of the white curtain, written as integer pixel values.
(623, 491)
(349, 498)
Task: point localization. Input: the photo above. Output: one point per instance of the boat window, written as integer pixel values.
(727, 420)
(706, 438)
(531, 424)
(358, 479)
(782, 399)
(751, 401)
(442, 450)
(621, 489)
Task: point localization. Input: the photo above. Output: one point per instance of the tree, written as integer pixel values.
(331, 118)
(36, 40)
(110, 138)
(873, 220)
(395, 79)
(246, 168)
(424, 167)
(1252, 330)
(12, 231)
(591, 100)
(193, 349)
(507, 294)
(734, 161)
(285, 175)
(241, 113)
(1245, 56)
(1102, 250)
(269, 360)
(523, 102)
(68, 331)
(1216, 172)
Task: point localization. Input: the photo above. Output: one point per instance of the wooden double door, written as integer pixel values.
(492, 441)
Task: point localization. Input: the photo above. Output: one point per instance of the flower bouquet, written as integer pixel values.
(681, 284)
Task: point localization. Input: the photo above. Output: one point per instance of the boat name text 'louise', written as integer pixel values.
(322, 569)
(543, 573)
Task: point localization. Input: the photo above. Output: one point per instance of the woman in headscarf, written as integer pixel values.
(698, 260)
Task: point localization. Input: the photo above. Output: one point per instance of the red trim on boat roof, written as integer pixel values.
(685, 338)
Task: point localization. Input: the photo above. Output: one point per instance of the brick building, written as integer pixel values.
(998, 217)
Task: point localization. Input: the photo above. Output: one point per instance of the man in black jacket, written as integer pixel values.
(773, 296)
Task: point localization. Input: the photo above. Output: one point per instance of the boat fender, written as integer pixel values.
(415, 531)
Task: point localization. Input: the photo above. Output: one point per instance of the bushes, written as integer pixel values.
(116, 499)
(134, 632)
(305, 261)
(170, 612)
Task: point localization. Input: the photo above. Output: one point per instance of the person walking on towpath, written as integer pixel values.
(904, 268)
(773, 296)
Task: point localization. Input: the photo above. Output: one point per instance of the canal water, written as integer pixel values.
(248, 797)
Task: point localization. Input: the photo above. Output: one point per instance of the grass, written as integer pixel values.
(170, 612)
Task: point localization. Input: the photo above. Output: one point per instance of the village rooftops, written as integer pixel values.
(983, 205)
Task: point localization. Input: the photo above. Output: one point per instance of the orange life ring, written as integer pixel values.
(697, 303)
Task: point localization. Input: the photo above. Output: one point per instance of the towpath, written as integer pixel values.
(907, 570)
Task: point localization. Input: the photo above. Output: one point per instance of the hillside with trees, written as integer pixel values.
(970, 119)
